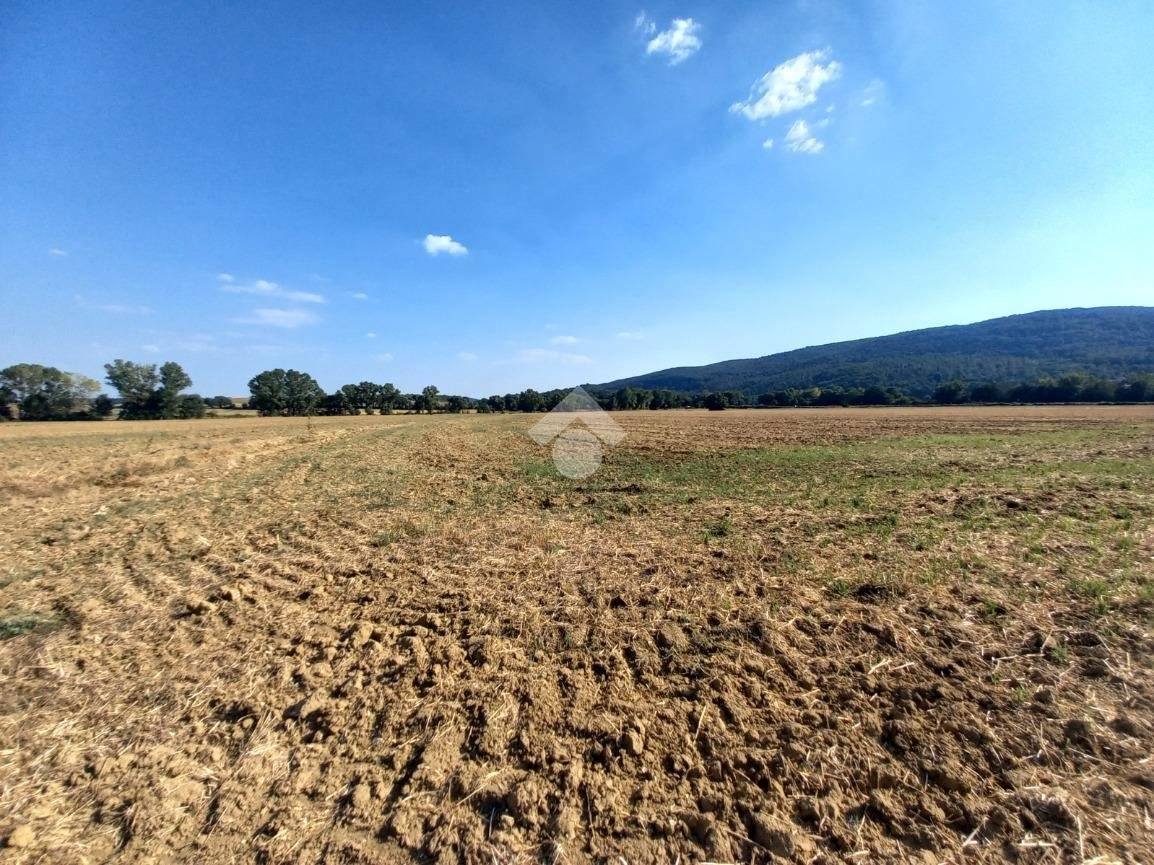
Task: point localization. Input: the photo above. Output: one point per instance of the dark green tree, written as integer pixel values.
(303, 396)
(387, 397)
(103, 406)
(268, 392)
(45, 392)
(173, 379)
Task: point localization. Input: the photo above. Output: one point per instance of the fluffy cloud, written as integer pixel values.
(265, 288)
(767, 144)
(564, 340)
(359, 295)
(435, 244)
(678, 43)
(280, 317)
(800, 139)
(790, 86)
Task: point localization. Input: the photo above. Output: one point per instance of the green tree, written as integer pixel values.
(173, 379)
(102, 406)
(388, 397)
(368, 396)
(139, 385)
(302, 393)
(190, 405)
(45, 392)
(530, 401)
(429, 398)
(267, 391)
(951, 393)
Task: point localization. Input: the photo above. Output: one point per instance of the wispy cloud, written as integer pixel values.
(547, 355)
(874, 91)
(436, 244)
(288, 318)
(790, 86)
(58, 252)
(359, 295)
(266, 288)
(644, 24)
(564, 340)
(466, 356)
(800, 139)
(151, 348)
(370, 335)
(630, 334)
(767, 144)
(679, 42)
(383, 357)
(114, 308)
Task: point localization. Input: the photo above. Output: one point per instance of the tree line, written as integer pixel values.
(147, 391)
(152, 392)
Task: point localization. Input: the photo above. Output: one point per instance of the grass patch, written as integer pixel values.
(18, 624)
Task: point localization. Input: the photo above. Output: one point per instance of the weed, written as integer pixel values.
(720, 528)
(23, 623)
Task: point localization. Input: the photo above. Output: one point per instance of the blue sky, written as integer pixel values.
(492, 197)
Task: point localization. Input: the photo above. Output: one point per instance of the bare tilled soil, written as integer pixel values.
(753, 636)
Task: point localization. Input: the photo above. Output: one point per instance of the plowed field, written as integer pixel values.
(915, 635)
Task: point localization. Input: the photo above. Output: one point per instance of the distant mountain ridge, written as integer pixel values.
(1108, 341)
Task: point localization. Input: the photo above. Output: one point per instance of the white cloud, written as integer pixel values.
(267, 288)
(791, 85)
(874, 91)
(679, 42)
(279, 317)
(767, 144)
(370, 335)
(58, 252)
(383, 357)
(115, 308)
(359, 295)
(151, 348)
(466, 356)
(630, 334)
(546, 355)
(799, 139)
(435, 244)
(564, 340)
(645, 24)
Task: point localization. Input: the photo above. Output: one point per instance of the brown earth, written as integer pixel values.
(807, 636)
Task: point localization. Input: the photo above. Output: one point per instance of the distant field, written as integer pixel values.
(862, 635)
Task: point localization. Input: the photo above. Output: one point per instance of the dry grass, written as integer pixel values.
(864, 635)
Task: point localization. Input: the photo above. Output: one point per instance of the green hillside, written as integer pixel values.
(1104, 341)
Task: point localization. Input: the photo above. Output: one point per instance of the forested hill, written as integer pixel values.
(1109, 341)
